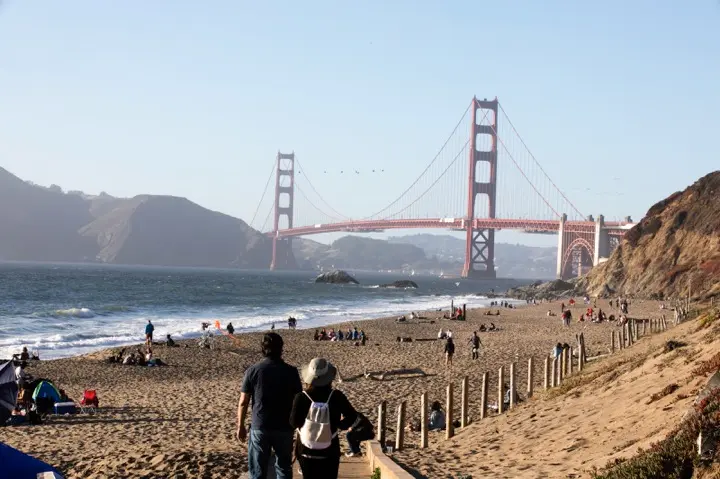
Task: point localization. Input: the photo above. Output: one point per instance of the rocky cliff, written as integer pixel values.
(674, 250)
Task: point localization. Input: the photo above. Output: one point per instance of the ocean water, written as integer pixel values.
(65, 310)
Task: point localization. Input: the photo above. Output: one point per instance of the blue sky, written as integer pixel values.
(195, 98)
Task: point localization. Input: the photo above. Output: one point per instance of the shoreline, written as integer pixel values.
(194, 336)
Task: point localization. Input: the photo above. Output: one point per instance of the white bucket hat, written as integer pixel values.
(319, 372)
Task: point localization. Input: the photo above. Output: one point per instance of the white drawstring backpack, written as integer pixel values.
(316, 432)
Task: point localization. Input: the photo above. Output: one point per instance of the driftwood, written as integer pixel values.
(383, 375)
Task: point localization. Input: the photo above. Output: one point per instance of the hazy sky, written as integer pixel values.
(195, 98)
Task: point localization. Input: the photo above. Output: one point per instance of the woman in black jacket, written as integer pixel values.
(319, 375)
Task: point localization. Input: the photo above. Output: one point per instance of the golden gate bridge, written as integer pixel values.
(479, 183)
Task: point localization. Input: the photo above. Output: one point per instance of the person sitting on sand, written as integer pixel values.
(169, 342)
(117, 358)
(140, 359)
(550, 313)
(363, 337)
(483, 328)
(437, 417)
(129, 360)
(340, 335)
(449, 352)
(506, 399)
(23, 356)
(316, 336)
(230, 328)
(441, 334)
(492, 327)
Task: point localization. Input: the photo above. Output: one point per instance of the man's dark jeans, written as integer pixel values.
(260, 444)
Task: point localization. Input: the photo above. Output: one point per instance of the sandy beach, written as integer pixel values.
(178, 421)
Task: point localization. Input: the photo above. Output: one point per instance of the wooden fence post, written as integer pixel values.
(553, 372)
(382, 415)
(484, 396)
(561, 366)
(423, 421)
(465, 311)
(501, 379)
(512, 385)
(645, 327)
(546, 376)
(530, 378)
(464, 403)
(449, 428)
(400, 432)
(583, 357)
(612, 341)
(568, 362)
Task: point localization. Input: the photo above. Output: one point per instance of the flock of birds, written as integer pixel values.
(357, 172)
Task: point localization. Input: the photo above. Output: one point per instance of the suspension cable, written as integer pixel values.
(428, 166)
(340, 215)
(315, 206)
(522, 172)
(462, 150)
(252, 221)
(507, 117)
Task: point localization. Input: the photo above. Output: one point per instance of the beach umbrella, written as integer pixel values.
(8, 386)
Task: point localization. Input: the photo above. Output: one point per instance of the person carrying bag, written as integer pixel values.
(318, 414)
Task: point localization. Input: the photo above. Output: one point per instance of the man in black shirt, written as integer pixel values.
(271, 386)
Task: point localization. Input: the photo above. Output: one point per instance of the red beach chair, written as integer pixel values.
(90, 402)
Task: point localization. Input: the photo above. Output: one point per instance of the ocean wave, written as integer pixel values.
(76, 312)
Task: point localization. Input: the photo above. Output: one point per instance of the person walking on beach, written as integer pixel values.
(449, 351)
(149, 328)
(270, 386)
(475, 343)
(318, 413)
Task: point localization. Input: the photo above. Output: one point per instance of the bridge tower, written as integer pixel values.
(282, 254)
(480, 243)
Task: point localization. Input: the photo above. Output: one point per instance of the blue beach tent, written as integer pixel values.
(46, 389)
(18, 465)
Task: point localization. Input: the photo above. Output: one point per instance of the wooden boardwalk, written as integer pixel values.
(350, 468)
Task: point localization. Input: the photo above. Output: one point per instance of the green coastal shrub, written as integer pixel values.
(675, 457)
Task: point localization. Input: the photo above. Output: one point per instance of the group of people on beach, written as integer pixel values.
(280, 406)
(331, 335)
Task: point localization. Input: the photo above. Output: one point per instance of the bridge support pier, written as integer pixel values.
(602, 241)
(480, 243)
(282, 253)
(561, 247)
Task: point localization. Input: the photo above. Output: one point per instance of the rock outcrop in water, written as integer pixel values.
(401, 284)
(673, 251)
(336, 277)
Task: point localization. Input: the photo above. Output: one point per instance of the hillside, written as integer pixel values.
(615, 417)
(46, 224)
(673, 251)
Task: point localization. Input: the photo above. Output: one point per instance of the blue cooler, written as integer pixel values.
(63, 408)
